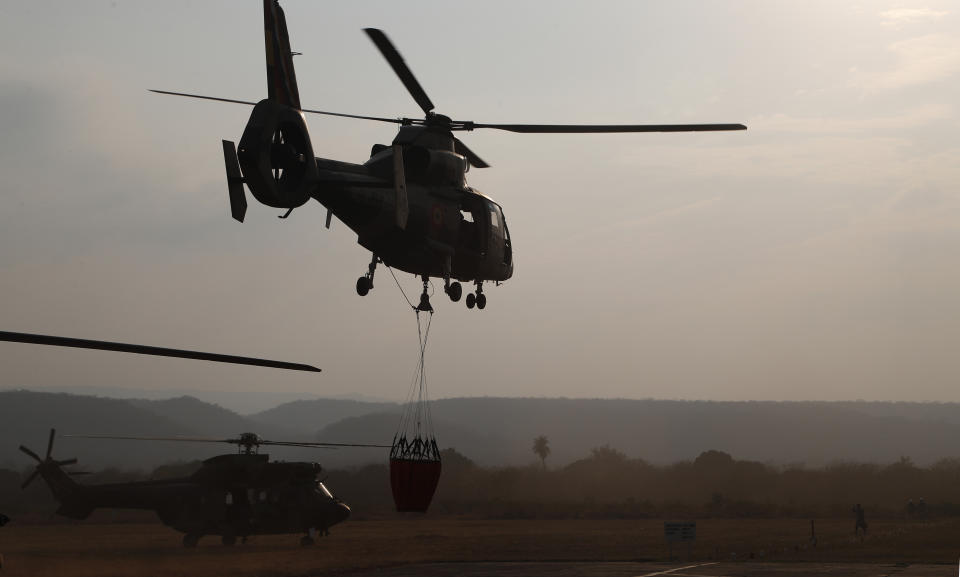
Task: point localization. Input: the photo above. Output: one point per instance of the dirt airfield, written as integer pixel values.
(447, 546)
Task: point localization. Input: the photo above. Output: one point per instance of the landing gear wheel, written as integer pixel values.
(363, 286)
(471, 300)
(306, 541)
(481, 301)
(228, 540)
(455, 291)
(190, 540)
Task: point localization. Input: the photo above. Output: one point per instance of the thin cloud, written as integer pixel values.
(899, 17)
(917, 61)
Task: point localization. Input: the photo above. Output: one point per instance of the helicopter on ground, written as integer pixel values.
(234, 495)
(409, 203)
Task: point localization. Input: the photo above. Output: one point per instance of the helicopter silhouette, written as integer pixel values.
(409, 203)
(233, 495)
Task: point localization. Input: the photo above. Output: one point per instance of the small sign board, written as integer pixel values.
(680, 531)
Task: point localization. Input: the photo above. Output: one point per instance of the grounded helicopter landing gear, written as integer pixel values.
(308, 539)
(424, 297)
(365, 283)
(479, 299)
(190, 540)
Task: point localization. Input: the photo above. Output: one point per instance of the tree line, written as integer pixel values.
(608, 484)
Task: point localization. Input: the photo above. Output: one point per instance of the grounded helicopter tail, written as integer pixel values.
(65, 490)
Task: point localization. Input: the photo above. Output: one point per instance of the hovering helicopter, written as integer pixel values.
(234, 495)
(409, 202)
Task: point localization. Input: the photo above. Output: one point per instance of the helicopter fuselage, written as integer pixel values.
(233, 496)
(451, 229)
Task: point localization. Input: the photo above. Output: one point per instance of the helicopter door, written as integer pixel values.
(473, 226)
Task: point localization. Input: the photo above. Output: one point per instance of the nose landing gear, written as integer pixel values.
(479, 299)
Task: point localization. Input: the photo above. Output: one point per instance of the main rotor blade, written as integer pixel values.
(231, 100)
(320, 445)
(132, 438)
(66, 462)
(475, 160)
(31, 453)
(231, 441)
(400, 67)
(586, 128)
(148, 350)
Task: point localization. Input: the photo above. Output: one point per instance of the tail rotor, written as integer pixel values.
(46, 464)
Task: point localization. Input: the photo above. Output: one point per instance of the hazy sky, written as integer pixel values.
(814, 256)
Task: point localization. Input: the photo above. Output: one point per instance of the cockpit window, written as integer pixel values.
(494, 216)
(323, 489)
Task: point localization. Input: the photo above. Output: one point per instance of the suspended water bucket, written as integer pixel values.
(414, 456)
(414, 473)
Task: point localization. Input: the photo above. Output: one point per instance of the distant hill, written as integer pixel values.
(491, 431)
(669, 431)
(211, 420)
(379, 428)
(313, 415)
(26, 418)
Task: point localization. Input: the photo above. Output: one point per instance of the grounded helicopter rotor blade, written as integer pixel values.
(66, 462)
(53, 433)
(588, 128)
(148, 350)
(31, 453)
(132, 438)
(320, 445)
(475, 160)
(30, 479)
(231, 100)
(400, 68)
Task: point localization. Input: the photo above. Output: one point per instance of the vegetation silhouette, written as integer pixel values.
(541, 448)
(607, 484)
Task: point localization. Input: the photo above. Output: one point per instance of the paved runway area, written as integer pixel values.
(689, 569)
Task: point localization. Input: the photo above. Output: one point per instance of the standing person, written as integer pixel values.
(861, 523)
(3, 521)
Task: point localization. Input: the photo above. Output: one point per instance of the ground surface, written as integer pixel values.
(439, 547)
(702, 569)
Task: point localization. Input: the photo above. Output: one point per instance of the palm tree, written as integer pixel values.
(541, 446)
